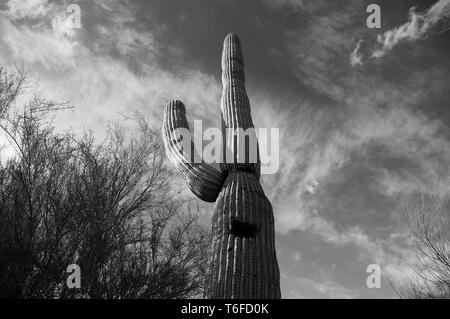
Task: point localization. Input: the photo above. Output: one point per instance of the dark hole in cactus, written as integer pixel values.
(241, 229)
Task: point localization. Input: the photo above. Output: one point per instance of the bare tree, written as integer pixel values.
(430, 220)
(106, 207)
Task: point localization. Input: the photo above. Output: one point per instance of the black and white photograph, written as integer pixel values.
(239, 150)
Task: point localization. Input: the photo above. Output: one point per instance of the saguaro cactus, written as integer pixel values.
(243, 261)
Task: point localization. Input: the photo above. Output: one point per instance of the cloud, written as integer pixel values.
(297, 256)
(419, 25)
(20, 9)
(317, 151)
(353, 142)
(291, 4)
(332, 289)
(295, 5)
(322, 287)
(355, 56)
(36, 45)
(82, 68)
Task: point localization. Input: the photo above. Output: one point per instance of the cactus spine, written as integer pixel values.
(243, 261)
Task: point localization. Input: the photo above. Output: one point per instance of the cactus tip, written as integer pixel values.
(232, 49)
(175, 105)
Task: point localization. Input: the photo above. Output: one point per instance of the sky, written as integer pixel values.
(363, 113)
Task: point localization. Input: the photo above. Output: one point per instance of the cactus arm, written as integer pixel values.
(203, 180)
(235, 104)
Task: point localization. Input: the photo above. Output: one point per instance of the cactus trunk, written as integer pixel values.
(243, 261)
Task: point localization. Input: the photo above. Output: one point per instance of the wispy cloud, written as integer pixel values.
(419, 25)
(81, 68)
(356, 56)
(347, 161)
(36, 45)
(20, 9)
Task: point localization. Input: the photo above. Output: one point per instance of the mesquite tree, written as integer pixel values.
(107, 207)
(243, 261)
